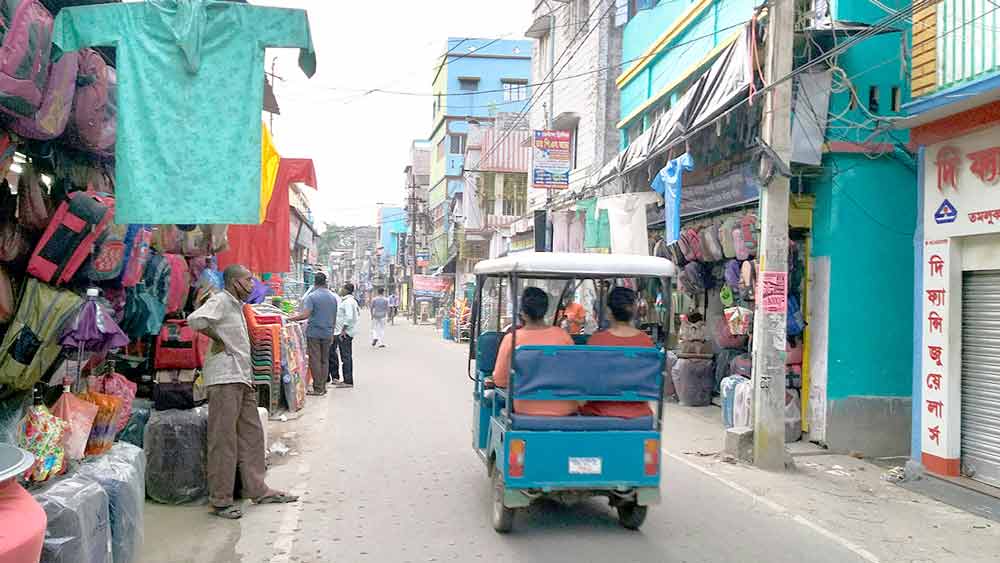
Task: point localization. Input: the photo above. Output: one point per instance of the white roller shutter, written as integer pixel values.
(981, 376)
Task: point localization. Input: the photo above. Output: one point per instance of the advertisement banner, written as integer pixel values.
(550, 159)
(431, 286)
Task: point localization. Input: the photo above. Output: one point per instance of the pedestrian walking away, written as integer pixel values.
(344, 332)
(235, 434)
(379, 312)
(393, 308)
(320, 307)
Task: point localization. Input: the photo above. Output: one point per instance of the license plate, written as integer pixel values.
(585, 466)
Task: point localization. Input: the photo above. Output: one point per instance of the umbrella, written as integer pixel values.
(93, 330)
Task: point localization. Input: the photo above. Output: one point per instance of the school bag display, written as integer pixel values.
(157, 277)
(748, 229)
(52, 116)
(711, 247)
(24, 55)
(726, 237)
(69, 239)
(690, 245)
(180, 347)
(180, 282)
(93, 121)
(108, 259)
(137, 241)
(31, 344)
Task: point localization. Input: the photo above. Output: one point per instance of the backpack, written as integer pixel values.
(143, 314)
(732, 274)
(676, 255)
(179, 347)
(137, 242)
(33, 208)
(748, 279)
(690, 244)
(93, 122)
(52, 116)
(748, 226)
(168, 239)
(742, 252)
(24, 55)
(157, 277)
(108, 260)
(70, 237)
(711, 247)
(726, 237)
(180, 283)
(6, 297)
(694, 280)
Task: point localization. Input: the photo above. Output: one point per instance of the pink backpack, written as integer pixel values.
(710, 245)
(94, 119)
(180, 282)
(748, 228)
(52, 116)
(690, 243)
(24, 55)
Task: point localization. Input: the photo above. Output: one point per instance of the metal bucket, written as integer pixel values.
(13, 462)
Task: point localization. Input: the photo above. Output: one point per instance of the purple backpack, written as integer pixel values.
(94, 119)
(732, 274)
(24, 55)
(50, 120)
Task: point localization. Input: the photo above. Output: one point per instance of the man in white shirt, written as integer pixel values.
(343, 338)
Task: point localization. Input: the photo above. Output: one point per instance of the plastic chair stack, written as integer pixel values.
(265, 355)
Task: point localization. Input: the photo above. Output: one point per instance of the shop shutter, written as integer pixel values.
(981, 376)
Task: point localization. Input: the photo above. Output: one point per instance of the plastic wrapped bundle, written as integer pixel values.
(122, 474)
(175, 443)
(693, 381)
(728, 393)
(793, 416)
(78, 530)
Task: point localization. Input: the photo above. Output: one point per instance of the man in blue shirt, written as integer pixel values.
(320, 307)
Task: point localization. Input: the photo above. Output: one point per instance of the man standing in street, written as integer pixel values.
(393, 308)
(320, 307)
(235, 434)
(379, 312)
(346, 328)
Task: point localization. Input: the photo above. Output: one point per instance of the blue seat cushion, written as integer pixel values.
(579, 423)
(582, 372)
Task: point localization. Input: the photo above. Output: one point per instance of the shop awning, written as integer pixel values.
(725, 84)
(506, 153)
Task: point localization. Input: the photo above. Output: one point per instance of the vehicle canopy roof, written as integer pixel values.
(571, 264)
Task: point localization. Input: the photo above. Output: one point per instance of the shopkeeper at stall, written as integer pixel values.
(235, 435)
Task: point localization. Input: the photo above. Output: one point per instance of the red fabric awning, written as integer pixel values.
(264, 248)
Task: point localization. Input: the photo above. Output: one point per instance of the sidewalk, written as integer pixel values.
(840, 497)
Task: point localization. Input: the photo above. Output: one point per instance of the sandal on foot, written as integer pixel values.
(277, 497)
(231, 512)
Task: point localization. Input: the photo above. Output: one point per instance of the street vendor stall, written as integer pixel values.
(100, 264)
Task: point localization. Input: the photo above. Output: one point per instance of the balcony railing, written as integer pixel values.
(967, 39)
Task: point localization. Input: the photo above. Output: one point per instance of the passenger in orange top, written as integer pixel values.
(622, 303)
(534, 304)
(573, 315)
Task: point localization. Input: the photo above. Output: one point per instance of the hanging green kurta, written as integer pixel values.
(190, 95)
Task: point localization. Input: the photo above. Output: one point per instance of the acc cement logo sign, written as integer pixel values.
(946, 213)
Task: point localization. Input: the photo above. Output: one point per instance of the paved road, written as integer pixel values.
(387, 473)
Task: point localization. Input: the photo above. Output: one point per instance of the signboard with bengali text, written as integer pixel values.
(551, 157)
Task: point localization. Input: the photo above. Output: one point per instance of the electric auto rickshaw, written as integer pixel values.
(568, 458)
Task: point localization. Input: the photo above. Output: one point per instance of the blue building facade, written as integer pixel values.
(858, 184)
(475, 80)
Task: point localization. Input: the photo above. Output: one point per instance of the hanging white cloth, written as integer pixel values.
(627, 218)
(560, 231)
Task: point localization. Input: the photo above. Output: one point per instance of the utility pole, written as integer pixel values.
(413, 246)
(772, 295)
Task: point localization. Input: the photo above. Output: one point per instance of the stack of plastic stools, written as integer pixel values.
(265, 348)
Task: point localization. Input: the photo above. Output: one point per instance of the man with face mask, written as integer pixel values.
(235, 435)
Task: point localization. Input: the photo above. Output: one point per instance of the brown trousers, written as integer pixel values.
(235, 437)
(318, 350)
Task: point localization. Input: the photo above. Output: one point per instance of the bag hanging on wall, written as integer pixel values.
(6, 297)
(157, 277)
(24, 56)
(93, 120)
(180, 283)
(108, 260)
(726, 237)
(32, 206)
(137, 241)
(690, 244)
(180, 347)
(710, 244)
(748, 228)
(70, 237)
(52, 116)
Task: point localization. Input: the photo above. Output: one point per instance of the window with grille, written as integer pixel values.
(515, 194)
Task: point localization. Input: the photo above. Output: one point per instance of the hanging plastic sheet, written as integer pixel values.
(627, 222)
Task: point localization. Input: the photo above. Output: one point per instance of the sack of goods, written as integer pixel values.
(693, 380)
(78, 521)
(728, 392)
(793, 416)
(176, 443)
(122, 475)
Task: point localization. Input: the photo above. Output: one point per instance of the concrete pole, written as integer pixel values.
(769, 320)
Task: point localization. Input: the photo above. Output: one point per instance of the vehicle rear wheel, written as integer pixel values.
(503, 517)
(631, 515)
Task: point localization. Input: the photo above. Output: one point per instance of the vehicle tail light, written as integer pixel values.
(516, 459)
(651, 457)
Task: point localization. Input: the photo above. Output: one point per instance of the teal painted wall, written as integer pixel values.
(865, 11)
(713, 25)
(864, 221)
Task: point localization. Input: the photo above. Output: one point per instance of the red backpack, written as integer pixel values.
(69, 239)
(24, 55)
(179, 347)
(690, 243)
(137, 243)
(180, 282)
(52, 116)
(108, 260)
(94, 119)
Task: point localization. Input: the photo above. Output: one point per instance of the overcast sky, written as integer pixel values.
(360, 144)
